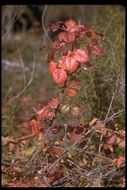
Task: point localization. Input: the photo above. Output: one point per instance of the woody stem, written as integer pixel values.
(60, 98)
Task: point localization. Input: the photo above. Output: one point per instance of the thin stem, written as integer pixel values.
(27, 85)
(43, 26)
(40, 146)
(109, 109)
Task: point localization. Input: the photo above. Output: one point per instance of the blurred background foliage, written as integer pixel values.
(22, 39)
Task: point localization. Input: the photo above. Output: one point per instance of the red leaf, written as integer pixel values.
(71, 89)
(110, 148)
(118, 161)
(66, 37)
(59, 47)
(35, 126)
(112, 139)
(50, 115)
(52, 67)
(53, 103)
(70, 24)
(82, 28)
(97, 50)
(79, 31)
(70, 63)
(71, 92)
(80, 56)
(76, 29)
(63, 37)
(74, 84)
(42, 112)
(71, 37)
(60, 76)
(62, 65)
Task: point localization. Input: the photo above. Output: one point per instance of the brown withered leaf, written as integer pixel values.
(36, 126)
(118, 161)
(56, 151)
(106, 147)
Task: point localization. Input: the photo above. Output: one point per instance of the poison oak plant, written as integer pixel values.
(79, 155)
(64, 59)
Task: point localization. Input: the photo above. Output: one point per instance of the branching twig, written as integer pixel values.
(83, 136)
(7, 140)
(27, 85)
